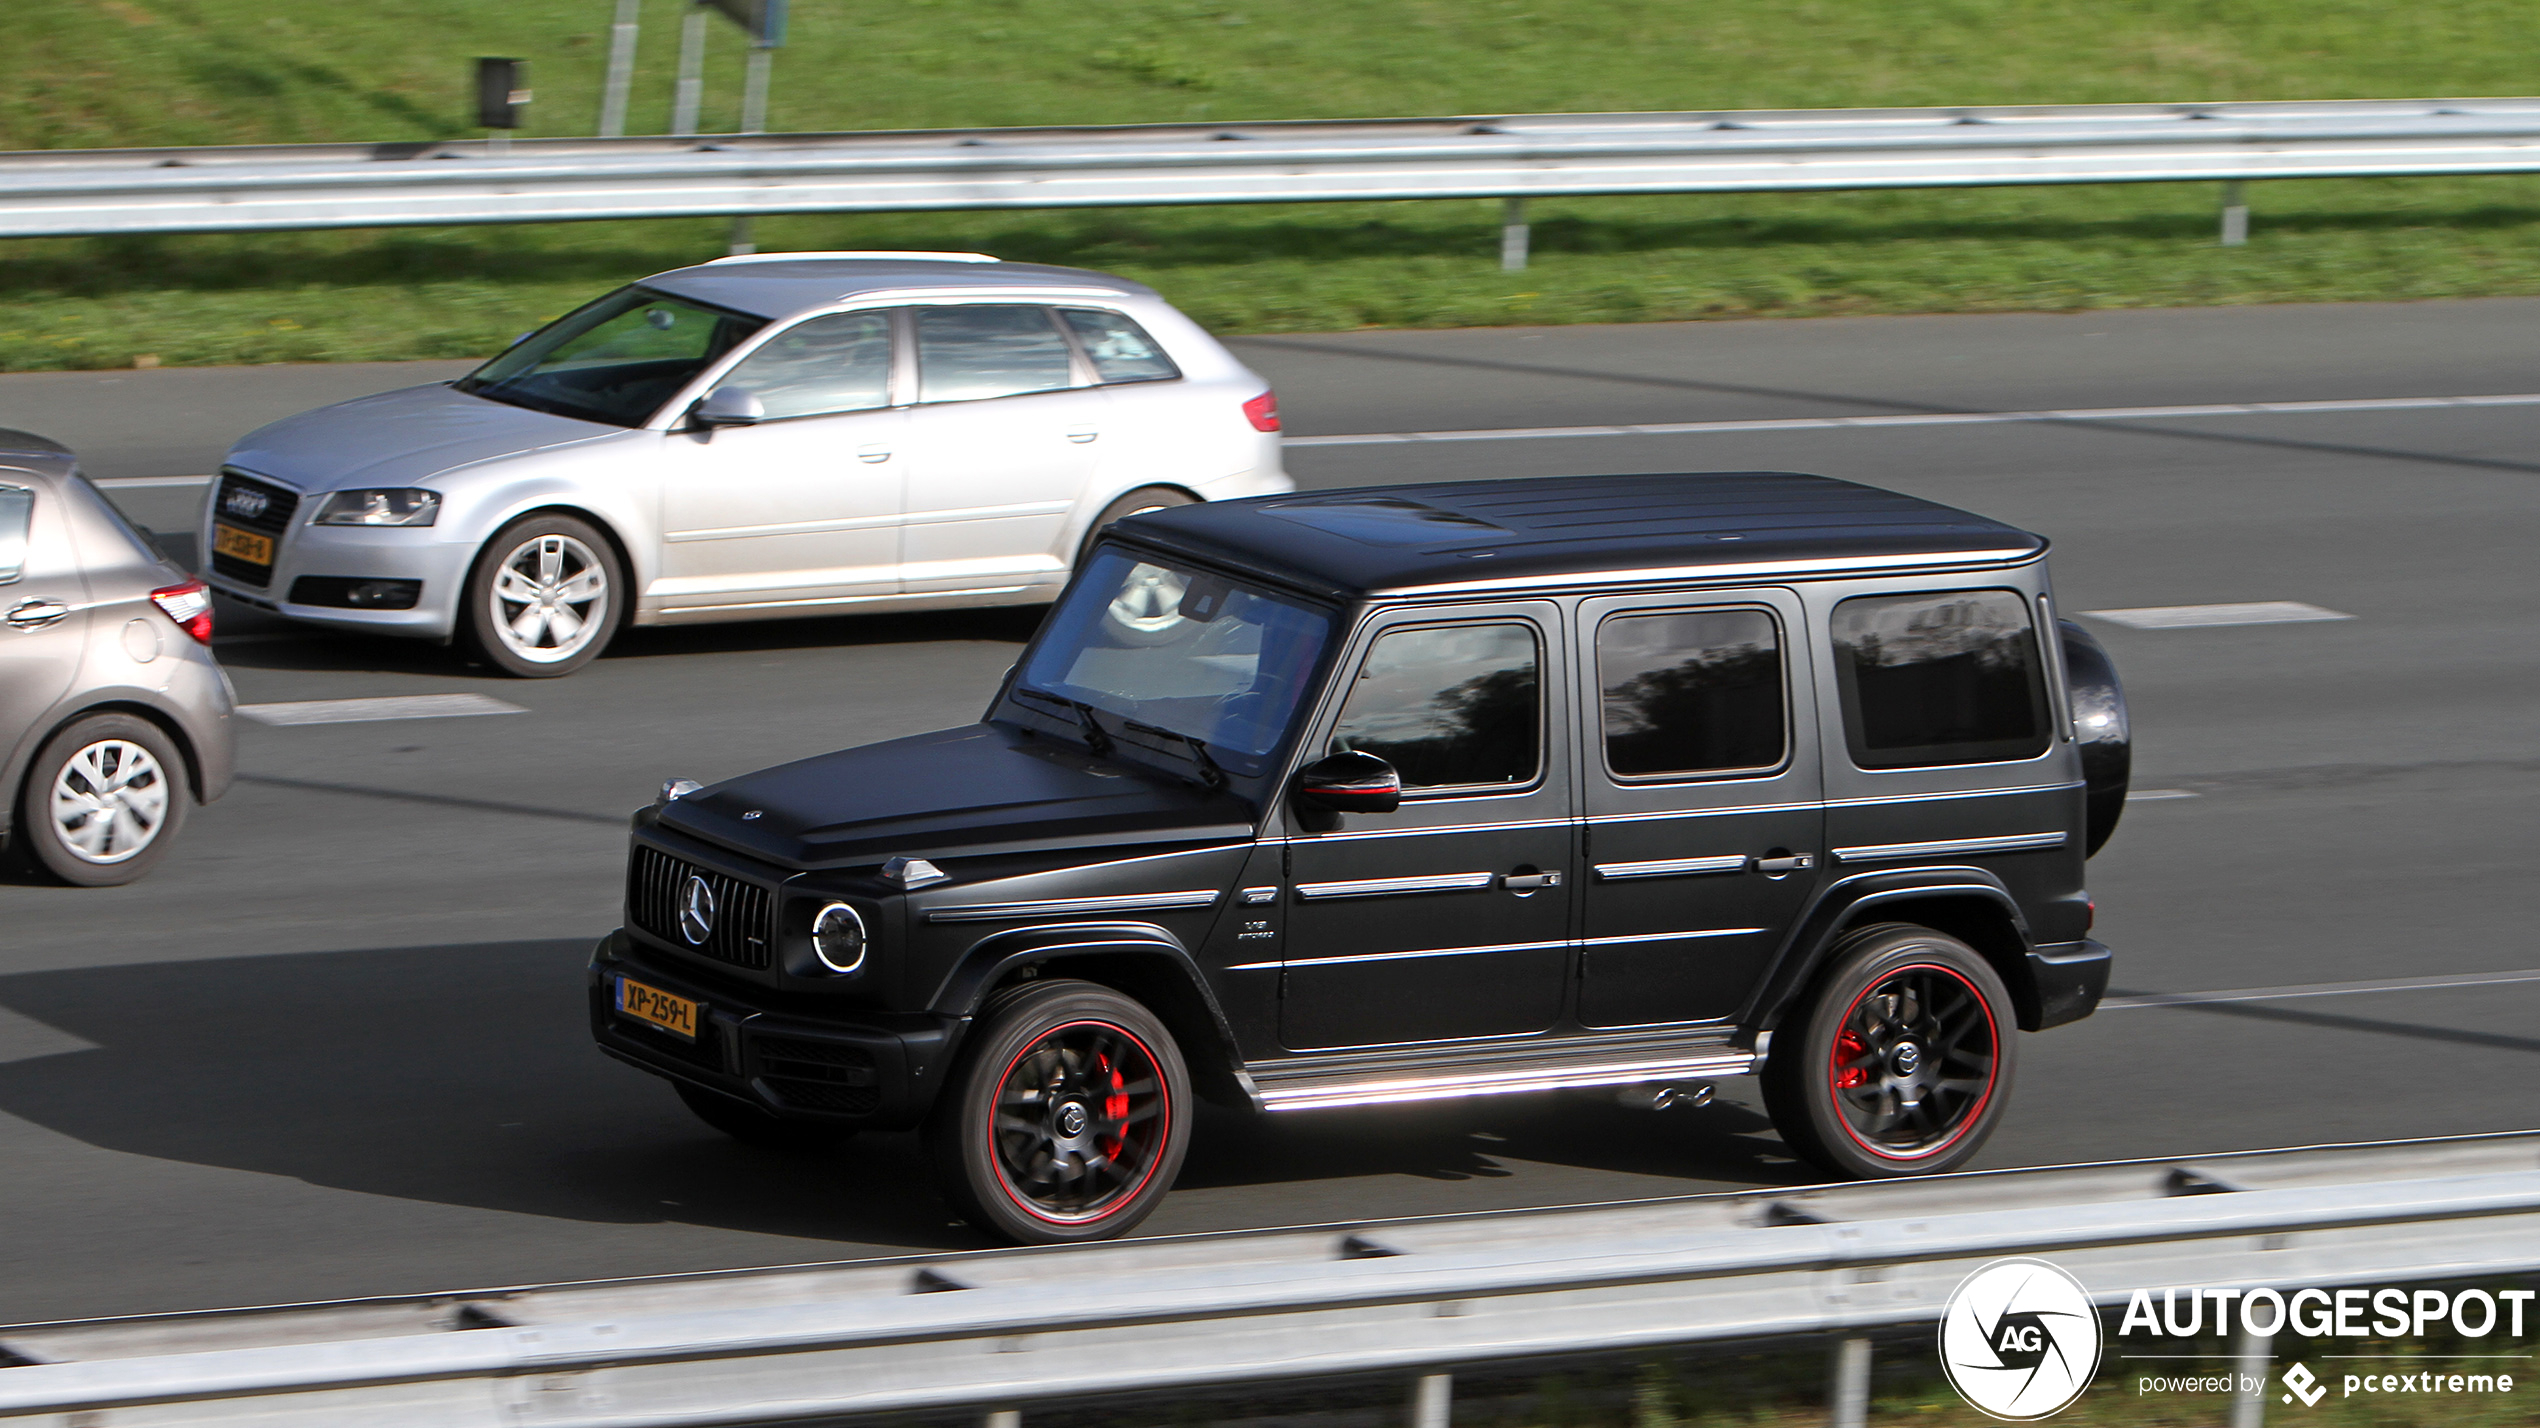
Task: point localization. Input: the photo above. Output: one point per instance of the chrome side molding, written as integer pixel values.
(2011, 843)
(1394, 1090)
(1059, 907)
(1389, 887)
(1671, 868)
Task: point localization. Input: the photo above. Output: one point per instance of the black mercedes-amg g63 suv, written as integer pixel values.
(1400, 794)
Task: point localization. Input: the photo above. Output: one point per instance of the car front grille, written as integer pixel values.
(744, 921)
(817, 1075)
(253, 505)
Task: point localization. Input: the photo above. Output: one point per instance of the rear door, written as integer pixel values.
(1705, 811)
(1450, 917)
(43, 612)
(1003, 440)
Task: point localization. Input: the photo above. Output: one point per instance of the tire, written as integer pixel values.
(1836, 1079)
(751, 1126)
(1139, 501)
(547, 595)
(103, 800)
(1065, 1060)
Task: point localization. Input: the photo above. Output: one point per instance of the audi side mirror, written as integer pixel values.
(729, 406)
(1350, 783)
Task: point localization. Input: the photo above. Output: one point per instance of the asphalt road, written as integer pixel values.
(333, 1045)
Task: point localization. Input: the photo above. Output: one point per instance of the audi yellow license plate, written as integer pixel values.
(676, 1015)
(242, 545)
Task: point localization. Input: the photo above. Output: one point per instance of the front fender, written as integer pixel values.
(1959, 901)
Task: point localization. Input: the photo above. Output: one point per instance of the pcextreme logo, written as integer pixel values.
(2019, 1340)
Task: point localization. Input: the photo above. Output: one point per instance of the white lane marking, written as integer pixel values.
(2320, 989)
(1699, 428)
(396, 706)
(2190, 617)
(144, 483)
(2157, 795)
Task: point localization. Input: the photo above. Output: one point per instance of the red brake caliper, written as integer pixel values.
(1115, 1105)
(1848, 1052)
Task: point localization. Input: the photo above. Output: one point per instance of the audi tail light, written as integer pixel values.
(1263, 412)
(190, 605)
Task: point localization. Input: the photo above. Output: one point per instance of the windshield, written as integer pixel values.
(615, 361)
(1181, 649)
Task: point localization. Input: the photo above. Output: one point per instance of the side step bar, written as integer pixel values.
(1324, 1088)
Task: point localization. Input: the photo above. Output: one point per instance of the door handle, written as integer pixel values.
(1798, 864)
(36, 614)
(871, 455)
(1529, 882)
(1082, 434)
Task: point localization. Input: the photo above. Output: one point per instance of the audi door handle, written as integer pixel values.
(1799, 864)
(1082, 434)
(36, 614)
(870, 455)
(1528, 882)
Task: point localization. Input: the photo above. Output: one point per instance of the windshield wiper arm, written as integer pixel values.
(1211, 777)
(1096, 738)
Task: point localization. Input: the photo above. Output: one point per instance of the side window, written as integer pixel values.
(1457, 706)
(1120, 350)
(967, 353)
(1692, 692)
(1948, 678)
(837, 363)
(17, 517)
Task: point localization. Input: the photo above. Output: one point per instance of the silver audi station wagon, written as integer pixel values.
(756, 437)
(113, 716)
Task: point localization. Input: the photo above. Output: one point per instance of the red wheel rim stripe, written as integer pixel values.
(1992, 1075)
(1163, 1131)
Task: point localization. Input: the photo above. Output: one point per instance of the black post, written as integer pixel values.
(500, 93)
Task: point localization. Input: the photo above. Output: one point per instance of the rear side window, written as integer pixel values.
(1120, 350)
(17, 516)
(1691, 692)
(1456, 706)
(1939, 679)
(965, 354)
(838, 363)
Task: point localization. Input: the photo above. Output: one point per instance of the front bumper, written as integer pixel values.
(857, 1068)
(427, 556)
(2070, 978)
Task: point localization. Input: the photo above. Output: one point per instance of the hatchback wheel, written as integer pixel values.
(1067, 1118)
(1902, 1065)
(103, 800)
(1136, 503)
(545, 597)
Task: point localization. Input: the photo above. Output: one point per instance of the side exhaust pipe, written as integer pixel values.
(1665, 1096)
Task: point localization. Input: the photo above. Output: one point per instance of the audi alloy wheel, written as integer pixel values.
(546, 597)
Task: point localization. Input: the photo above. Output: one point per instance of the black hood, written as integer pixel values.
(981, 788)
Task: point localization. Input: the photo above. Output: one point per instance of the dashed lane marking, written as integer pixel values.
(396, 706)
(2318, 989)
(2190, 617)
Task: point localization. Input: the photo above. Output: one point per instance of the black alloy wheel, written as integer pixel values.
(1902, 1063)
(1067, 1119)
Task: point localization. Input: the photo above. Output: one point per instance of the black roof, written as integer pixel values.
(1552, 529)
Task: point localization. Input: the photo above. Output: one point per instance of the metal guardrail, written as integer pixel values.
(1000, 1331)
(64, 192)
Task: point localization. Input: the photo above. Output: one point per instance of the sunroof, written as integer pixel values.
(1385, 520)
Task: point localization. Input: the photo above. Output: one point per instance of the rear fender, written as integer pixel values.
(1137, 959)
(1969, 904)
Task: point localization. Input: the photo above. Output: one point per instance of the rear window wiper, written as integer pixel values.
(1096, 737)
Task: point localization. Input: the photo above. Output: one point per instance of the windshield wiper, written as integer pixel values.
(1211, 777)
(1096, 738)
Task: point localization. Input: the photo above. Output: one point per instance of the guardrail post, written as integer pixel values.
(1850, 1401)
(2251, 1361)
(1513, 234)
(2235, 217)
(691, 93)
(1430, 1401)
(1004, 1418)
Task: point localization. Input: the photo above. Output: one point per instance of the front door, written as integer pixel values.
(1705, 820)
(1004, 442)
(43, 611)
(1450, 917)
(802, 509)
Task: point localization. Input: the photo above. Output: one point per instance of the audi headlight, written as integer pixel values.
(394, 506)
(837, 938)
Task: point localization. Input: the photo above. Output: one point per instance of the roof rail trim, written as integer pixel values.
(1829, 565)
(876, 255)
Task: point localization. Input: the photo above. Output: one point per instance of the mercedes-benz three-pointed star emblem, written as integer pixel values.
(696, 912)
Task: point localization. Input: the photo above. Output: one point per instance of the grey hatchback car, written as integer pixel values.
(114, 717)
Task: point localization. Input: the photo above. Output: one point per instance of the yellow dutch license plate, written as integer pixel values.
(242, 545)
(676, 1015)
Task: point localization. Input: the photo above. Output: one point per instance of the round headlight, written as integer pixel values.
(837, 938)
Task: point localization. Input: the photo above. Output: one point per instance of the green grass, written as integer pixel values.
(96, 72)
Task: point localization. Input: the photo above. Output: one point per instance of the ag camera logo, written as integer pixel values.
(2019, 1340)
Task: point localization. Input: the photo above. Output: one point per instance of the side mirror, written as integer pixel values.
(729, 406)
(1350, 783)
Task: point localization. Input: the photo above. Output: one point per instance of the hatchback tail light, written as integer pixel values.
(1263, 412)
(190, 605)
